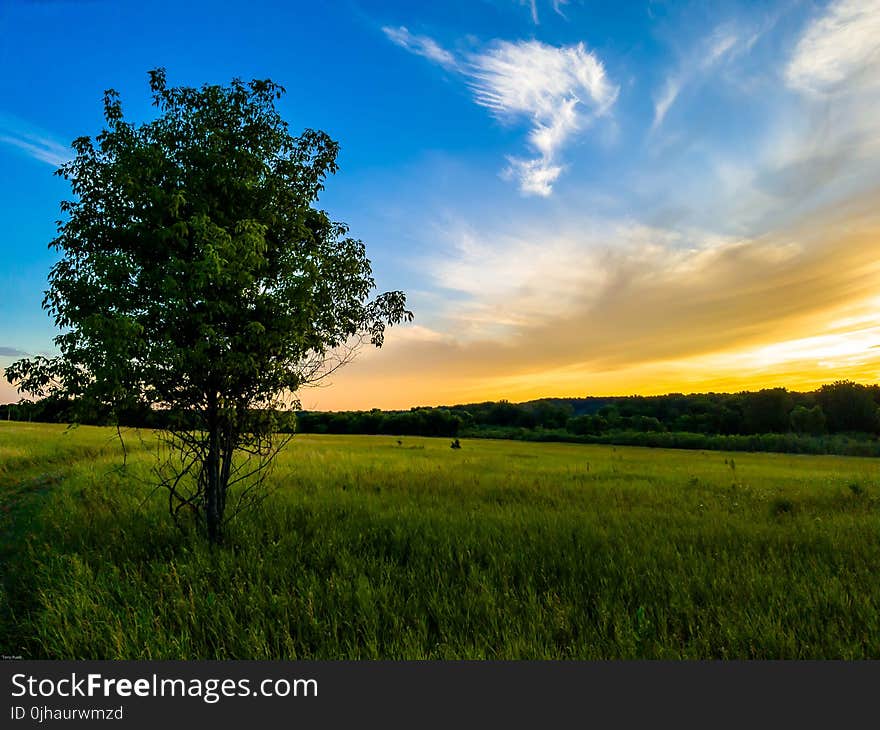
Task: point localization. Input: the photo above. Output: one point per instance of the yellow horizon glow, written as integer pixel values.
(788, 364)
(731, 372)
(742, 318)
(661, 379)
(743, 315)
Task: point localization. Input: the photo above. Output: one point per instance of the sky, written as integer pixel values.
(579, 198)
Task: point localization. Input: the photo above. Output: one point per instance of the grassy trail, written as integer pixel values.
(372, 549)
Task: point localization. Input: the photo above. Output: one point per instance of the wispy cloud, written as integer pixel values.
(560, 90)
(666, 98)
(500, 275)
(10, 352)
(825, 148)
(532, 5)
(421, 45)
(557, 6)
(723, 44)
(839, 50)
(32, 142)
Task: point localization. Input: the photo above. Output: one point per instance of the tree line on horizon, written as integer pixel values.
(842, 407)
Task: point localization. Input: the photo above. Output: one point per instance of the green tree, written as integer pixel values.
(198, 277)
(849, 406)
(767, 410)
(808, 420)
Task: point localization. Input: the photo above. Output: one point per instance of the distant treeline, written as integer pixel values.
(840, 418)
(843, 417)
(60, 410)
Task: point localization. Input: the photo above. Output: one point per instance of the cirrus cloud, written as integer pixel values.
(420, 45)
(33, 142)
(558, 90)
(839, 47)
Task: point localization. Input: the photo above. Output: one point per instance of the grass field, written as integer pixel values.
(372, 549)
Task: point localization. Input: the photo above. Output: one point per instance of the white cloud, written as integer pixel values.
(420, 45)
(503, 275)
(719, 45)
(559, 89)
(530, 271)
(851, 347)
(723, 44)
(534, 78)
(612, 292)
(536, 177)
(38, 145)
(557, 6)
(532, 5)
(666, 99)
(841, 46)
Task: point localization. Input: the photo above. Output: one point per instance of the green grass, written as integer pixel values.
(370, 549)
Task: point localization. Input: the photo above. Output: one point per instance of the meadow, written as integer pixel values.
(377, 547)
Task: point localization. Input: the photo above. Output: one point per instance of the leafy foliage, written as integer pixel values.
(197, 277)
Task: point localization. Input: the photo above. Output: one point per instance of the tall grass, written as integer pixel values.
(370, 548)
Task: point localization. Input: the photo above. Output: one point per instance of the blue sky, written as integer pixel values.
(578, 197)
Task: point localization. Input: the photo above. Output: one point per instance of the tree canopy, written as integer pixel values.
(198, 276)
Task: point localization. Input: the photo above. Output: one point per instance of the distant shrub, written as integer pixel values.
(808, 420)
(857, 489)
(783, 506)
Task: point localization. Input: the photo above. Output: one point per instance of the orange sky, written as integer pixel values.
(797, 309)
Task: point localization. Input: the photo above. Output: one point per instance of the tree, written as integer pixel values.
(198, 277)
(849, 406)
(767, 411)
(808, 420)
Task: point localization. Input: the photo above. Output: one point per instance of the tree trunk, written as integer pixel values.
(213, 487)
